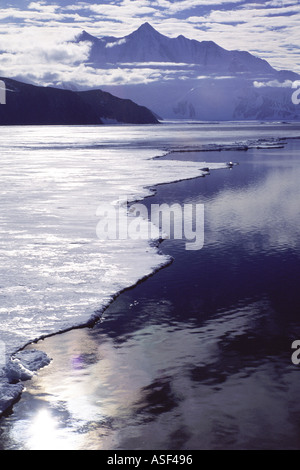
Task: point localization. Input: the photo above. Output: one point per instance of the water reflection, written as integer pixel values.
(264, 214)
(43, 432)
(199, 356)
(178, 385)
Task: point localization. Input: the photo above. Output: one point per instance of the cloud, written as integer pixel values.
(26, 57)
(116, 43)
(43, 6)
(63, 62)
(274, 84)
(37, 34)
(265, 30)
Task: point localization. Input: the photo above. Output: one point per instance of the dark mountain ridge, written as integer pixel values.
(35, 105)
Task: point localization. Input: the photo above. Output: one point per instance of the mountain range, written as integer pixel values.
(193, 79)
(148, 45)
(146, 76)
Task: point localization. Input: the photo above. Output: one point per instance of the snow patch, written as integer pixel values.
(31, 359)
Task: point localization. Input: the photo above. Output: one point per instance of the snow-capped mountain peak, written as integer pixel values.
(146, 44)
(186, 78)
(146, 29)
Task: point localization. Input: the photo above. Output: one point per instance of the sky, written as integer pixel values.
(36, 35)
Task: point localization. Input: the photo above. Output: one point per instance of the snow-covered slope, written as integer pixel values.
(236, 99)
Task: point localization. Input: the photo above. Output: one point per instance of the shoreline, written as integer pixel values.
(96, 318)
(76, 347)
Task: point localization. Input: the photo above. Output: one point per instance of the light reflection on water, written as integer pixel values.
(198, 356)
